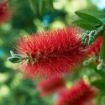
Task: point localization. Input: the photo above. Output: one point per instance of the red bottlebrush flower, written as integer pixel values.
(51, 85)
(4, 11)
(51, 53)
(95, 46)
(79, 94)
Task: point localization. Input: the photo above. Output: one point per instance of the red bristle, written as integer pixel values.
(54, 84)
(51, 53)
(54, 52)
(4, 11)
(95, 46)
(79, 94)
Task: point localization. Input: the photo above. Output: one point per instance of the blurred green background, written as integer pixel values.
(30, 16)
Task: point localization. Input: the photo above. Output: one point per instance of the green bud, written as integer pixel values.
(15, 59)
(101, 66)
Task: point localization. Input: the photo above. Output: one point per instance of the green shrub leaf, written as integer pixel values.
(100, 84)
(88, 17)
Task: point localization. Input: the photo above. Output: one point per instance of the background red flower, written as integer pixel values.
(95, 46)
(79, 94)
(51, 85)
(4, 11)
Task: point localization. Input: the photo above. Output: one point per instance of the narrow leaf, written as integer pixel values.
(85, 26)
(100, 84)
(88, 17)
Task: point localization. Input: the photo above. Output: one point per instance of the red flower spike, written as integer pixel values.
(51, 53)
(51, 85)
(79, 94)
(4, 11)
(95, 46)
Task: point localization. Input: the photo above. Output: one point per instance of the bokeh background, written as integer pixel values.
(29, 16)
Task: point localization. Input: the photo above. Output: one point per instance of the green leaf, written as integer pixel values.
(100, 72)
(82, 21)
(84, 24)
(96, 13)
(100, 84)
(88, 17)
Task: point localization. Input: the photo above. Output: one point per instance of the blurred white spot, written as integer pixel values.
(99, 3)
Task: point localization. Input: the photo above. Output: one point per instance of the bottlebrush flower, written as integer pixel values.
(92, 51)
(4, 11)
(54, 52)
(51, 53)
(51, 85)
(79, 94)
(95, 46)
